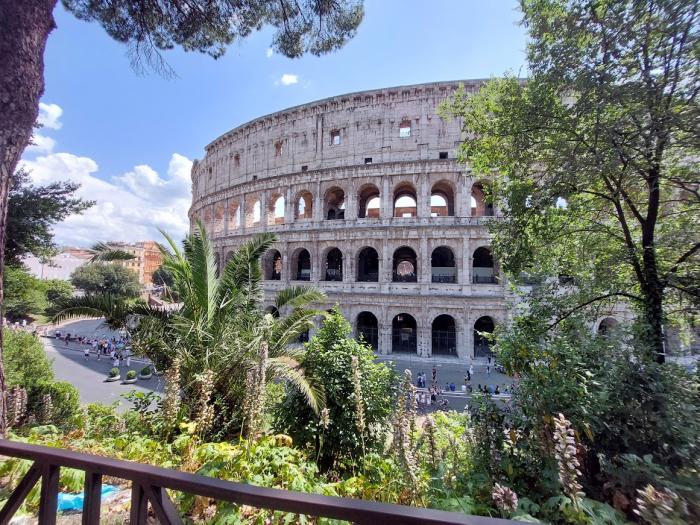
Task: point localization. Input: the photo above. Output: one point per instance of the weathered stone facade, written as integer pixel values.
(340, 177)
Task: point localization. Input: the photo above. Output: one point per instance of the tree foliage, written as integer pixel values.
(32, 212)
(608, 121)
(328, 360)
(104, 278)
(316, 27)
(25, 295)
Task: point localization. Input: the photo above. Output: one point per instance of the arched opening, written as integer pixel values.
(482, 345)
(369, 202)
(334, 204)
(206, 218)
(273, 311)
(444, 335)
(272, 265)
(301, 265)
(442, 265)
(219, 220)
(481, 207)
(405, 266)
(442, 200)
(275, 211)
(368, 328)
(234, 215)
(252, 212)
(607, 326)
(334, 265)
(229, 256)
(403, 334)
(483, 271)
(368, 265)
(405, 201)
(304, 206)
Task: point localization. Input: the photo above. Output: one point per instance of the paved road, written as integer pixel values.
(88, 376)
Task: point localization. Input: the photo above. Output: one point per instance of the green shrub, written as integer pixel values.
(146, 370)
(328, 360)
(131, 374)
(114, 372)
(26, 365)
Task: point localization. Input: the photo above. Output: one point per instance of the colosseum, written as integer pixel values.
(370, 205)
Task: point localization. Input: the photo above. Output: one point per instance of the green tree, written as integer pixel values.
(219, 326)
(24, 293)
(316, 27)
(103, 278)
(607, 126)
(338, 442)
(32, 211)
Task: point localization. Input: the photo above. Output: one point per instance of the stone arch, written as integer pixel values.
(481, 207)
(404, 334)
(444, 335)
(275, 209)
(272, 310)
(301, 265)
(482, 346)
(253, 211)
(442, 265)
(334, 204)
(606, 326)
(405, 200)
(272, 265)
(219, 220)
(483, 266)
(333, 265)
(229, 256)
(405, 265)
(369, 200)
(368, 265)
(442, 199)
(234, 215)
(367, 327)
(304, 205)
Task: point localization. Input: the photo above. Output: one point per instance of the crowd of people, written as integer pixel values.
(117, 349)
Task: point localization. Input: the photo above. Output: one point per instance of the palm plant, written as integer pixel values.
(219, 325)
(103, 252)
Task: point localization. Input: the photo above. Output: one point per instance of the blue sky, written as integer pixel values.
(129, 138)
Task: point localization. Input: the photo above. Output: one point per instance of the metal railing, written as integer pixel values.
(149, 485)
(484, 279)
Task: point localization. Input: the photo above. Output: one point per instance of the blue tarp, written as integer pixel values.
(75, 501)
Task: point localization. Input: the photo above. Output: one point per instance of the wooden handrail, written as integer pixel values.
(149, 484)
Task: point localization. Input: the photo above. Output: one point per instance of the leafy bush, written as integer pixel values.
(328, 361)
(114, 372)
(146, 371)
(27, 366)
(131, 374)
(105, 278)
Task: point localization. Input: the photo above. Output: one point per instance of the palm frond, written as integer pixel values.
(103, 252)
(116, 311)
(289, 370)
(299, 296)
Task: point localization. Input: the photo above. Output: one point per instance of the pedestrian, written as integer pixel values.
(497, 391)
(489, 358)
(488, 370)
(466, 378)
(128, 360)
(453, 387)
(434, 374)
(471, 370)
(86, 352)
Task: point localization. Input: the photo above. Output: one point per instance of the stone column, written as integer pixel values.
(425, 342)
(318, 203)
(242, 214)
(386, 206)
(424, 196)
(289, 207)
(263, 209)
(469, 336)
(424, 268)
(226, 218)
(384, 339)
(465, 276)
(351, 204)
(460, 334)
(385, 265)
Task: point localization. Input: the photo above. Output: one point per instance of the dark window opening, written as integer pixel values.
(442, 155)
(368, 266)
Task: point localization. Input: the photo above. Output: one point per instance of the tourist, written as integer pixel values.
(467, 377)
(471, 370)
(478, 388)
(115, 361)
(453, 387)
(86, 352)
(497, 391)
(488, 370)
(434, 375)
(128, 359)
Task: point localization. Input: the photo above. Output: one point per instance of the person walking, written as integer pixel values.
(86, 352)
(434, 374)
(471, 370)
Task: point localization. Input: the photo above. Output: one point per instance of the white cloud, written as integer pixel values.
(269, 52)
(49, 115)
(288, 79)
(129, 207)
(41, 144)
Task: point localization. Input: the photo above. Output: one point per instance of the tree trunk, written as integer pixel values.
(24, 27)
(652, 292)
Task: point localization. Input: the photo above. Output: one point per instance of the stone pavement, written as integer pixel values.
(88, 376)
